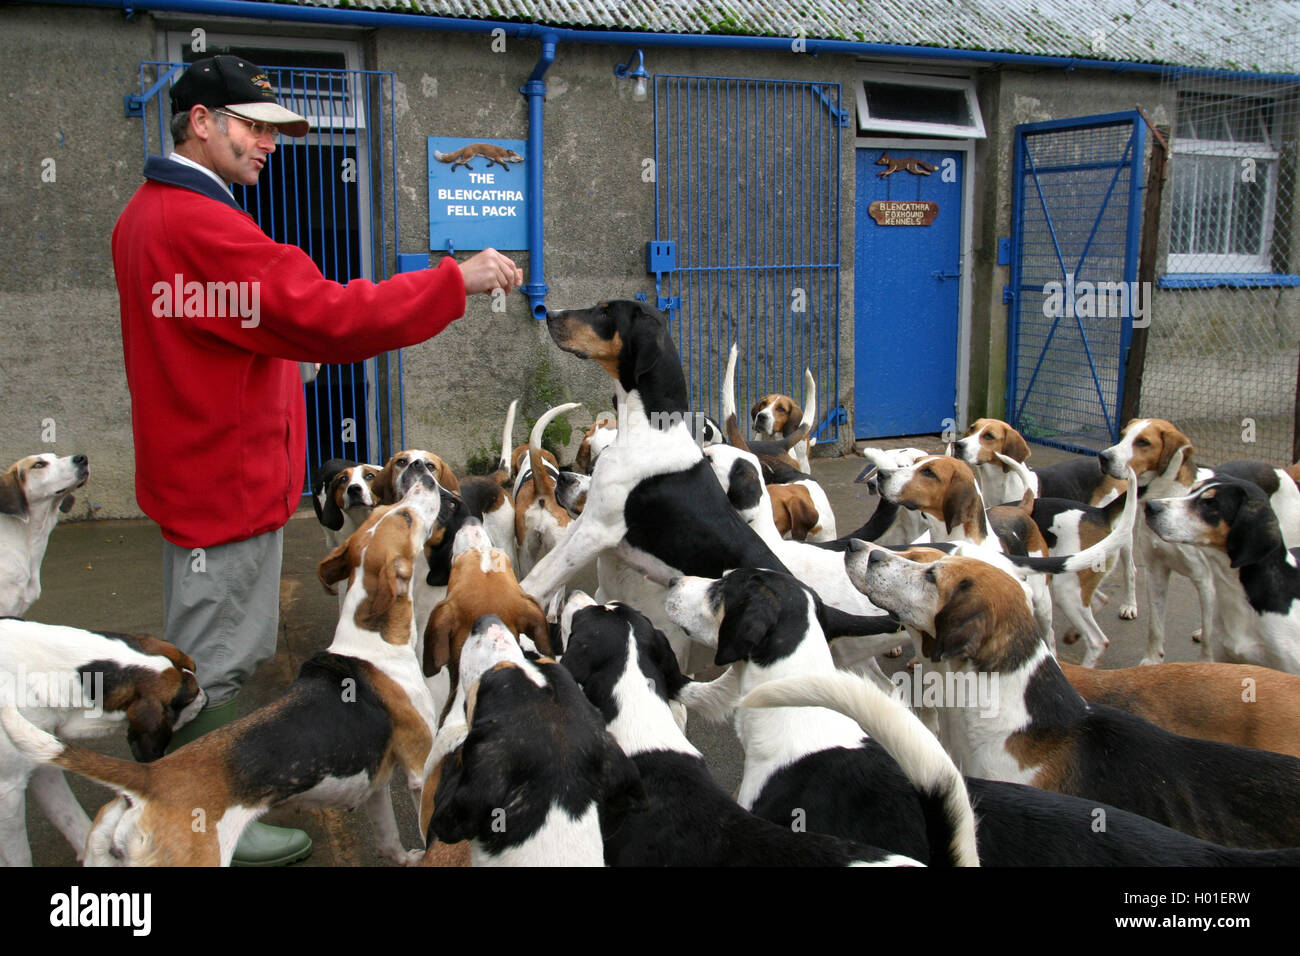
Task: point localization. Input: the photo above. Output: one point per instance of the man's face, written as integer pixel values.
(236, 155)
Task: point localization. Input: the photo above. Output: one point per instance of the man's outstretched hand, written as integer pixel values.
(489, 270)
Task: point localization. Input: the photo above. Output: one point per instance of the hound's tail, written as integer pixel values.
(507, 435)
(950, 822)
(542, 480)
(728, 395)
(796, 436)
(810, 406)
(37, 745)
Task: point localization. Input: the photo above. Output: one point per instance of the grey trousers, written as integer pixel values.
(221, 605)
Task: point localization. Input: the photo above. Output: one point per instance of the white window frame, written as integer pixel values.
(868, 126)
(1193, 263)
(349, 118)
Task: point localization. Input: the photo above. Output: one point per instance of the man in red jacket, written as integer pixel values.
(216, 317)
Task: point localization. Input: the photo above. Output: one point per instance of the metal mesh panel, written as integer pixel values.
(1224, 342)
(1075, 255)
(332, 193)
(748, 187)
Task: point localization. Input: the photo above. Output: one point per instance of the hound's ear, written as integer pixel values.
(13, 499)
(328, 513)
(335, 568)
(382, 487)
(745, 486)
(661, 653)
(1171, 441)
(437, 638)
(793, 413)
(1015, 446)
(394, 582)
(649, 337)
(621, 787)
(457, 813)
(961, 502)
(746, 623)
(537, 629)
(149, 731)
(1253, 531)
(962, 624)
(803, 518)
(446, 477)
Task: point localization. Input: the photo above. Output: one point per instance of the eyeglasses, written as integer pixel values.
(257, 129)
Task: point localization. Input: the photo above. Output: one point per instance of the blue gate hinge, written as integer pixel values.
(841, 116)
(660, 257)
(135, 102)
(669, 303)
(1007, 295)
(837, 416)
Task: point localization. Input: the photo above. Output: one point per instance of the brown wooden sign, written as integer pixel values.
(890, 212)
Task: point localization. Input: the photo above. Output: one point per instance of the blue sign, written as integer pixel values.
(478, 194)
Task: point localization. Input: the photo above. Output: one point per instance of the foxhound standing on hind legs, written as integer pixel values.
(654, 510)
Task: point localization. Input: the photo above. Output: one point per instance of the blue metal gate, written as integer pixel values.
(333, 194)
(747, 234)
(1074, 235)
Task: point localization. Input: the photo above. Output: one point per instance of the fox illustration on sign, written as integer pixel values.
(913, 165)
(489, 151)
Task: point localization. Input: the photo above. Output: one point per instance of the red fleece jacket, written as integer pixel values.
(216, 399)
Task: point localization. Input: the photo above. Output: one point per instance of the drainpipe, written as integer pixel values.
(535, 89)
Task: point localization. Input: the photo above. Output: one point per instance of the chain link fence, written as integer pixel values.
(1224, 342)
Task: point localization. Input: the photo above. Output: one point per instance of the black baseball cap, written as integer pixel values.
(236, 85)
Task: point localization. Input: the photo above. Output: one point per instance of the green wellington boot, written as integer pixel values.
(260, 844)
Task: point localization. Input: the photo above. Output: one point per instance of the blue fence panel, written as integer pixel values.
(1075, 224)
(747, 187)
(333, 194)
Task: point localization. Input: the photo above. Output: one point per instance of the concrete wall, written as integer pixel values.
(66, 71)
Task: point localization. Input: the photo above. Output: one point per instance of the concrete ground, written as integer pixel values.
(106, 575)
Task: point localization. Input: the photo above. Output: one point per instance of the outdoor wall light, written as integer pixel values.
(638, 73)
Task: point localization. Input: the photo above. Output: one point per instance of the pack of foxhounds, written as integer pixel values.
(517, 651)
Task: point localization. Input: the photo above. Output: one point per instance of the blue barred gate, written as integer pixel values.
(747, 235)
(1076, 217)
(333, 194)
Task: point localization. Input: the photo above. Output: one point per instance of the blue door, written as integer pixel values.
(907, 284)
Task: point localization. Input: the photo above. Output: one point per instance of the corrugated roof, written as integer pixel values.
(1255, 35)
